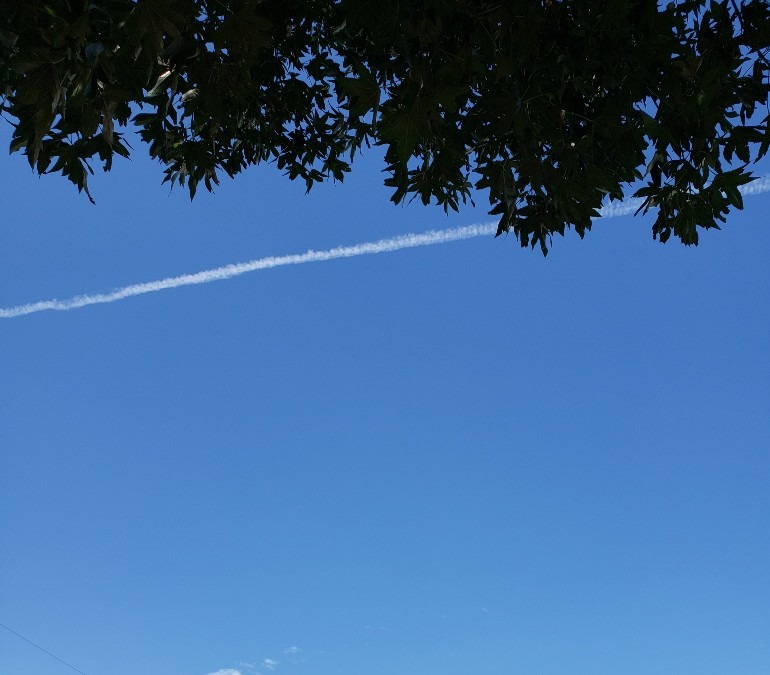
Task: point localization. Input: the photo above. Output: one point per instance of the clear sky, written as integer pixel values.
(446, 460)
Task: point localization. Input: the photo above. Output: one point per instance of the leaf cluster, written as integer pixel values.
(551, 107)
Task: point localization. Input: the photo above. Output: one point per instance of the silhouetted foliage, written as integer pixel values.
(550, 106)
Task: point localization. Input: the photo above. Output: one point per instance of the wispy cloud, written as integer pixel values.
(270, 664)
(430, 238)
(226, 671)
(292, 650)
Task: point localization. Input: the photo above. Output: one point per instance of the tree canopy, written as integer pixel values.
(549, 106)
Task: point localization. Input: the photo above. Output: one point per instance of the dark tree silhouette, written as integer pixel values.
(549, 106)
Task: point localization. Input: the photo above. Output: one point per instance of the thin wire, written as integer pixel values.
(69, 665)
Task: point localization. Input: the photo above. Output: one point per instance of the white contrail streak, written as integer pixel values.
(631, 205)
(382, 246)
(234, 270)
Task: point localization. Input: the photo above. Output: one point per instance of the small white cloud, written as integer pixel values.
(292, 650)
(226, 671)
(270, 664)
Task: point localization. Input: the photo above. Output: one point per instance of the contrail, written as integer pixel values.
(631, 205)
(430, 238)
(229, 271)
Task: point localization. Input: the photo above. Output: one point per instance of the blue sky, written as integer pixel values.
(451, 459)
